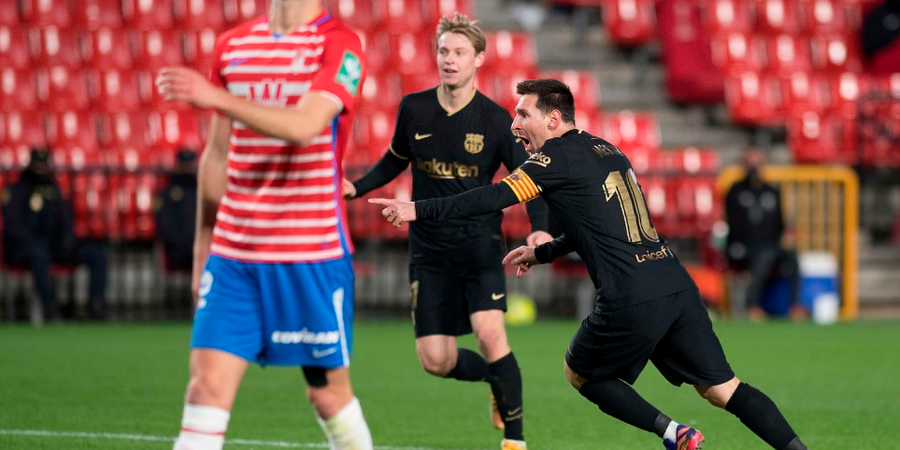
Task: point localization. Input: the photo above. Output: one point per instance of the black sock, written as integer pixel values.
(617, 399)
(759, 413)
(470, 366)
(506, 384)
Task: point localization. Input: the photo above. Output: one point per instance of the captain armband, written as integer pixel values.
(522, 185)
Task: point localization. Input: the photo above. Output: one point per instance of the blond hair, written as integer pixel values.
(461, 24)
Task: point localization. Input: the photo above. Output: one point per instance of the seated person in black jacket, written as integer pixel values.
(38, 232)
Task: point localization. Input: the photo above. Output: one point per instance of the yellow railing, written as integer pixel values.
(822, 204)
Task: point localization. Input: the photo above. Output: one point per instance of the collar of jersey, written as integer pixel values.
(450, 113)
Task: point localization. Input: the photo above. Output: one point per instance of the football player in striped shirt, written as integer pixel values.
(455, 138)
(272, 257)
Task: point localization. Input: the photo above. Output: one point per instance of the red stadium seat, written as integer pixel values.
(696, 205)
(694, 161)
(148, 14)
(506, 81)
(174, 129)
(631, 131)
(107, 49)
(200, 14)
(738, 51)
(659, 203)
(510, 50)
(13, 47)
(199, 47)
(630, 23)
(398, 16)
(72, 129)
(787, 53)
(57, 47)
(778, 16)
(753, 99)
(584, 85)
(378, 52)
(418, 82)
(158, 49)
(117, 91)
(63, 89)
(46, 13)
(24, 129)
(9, 14)
(126, 130)
(382, 91)
(18, 90)
(240, 11)
(802, 92)
(825, 16)
(95, 14)
(691, 76)
(589, 120)
(411, 54)
(836, 53)
(516, 224)
(845, 89)
(814, 138)
(727, 16)
(435, 9)
(373, 132)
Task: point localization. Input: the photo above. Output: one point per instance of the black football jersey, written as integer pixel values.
(592, 190)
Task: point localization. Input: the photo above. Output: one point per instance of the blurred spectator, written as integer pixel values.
(757, 239)
(177, 211)
(881, 38)
(38, 233)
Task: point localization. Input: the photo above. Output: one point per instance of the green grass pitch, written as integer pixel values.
(62, 387)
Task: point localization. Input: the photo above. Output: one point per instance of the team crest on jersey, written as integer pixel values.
(350, 73)
(474, 143)
(269, 92)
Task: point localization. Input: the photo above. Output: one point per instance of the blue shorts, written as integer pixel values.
(287, 314)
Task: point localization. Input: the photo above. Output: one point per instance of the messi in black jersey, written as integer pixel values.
(455, 139)
(648, 308)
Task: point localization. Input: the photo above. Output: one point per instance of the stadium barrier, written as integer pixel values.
(822, 205)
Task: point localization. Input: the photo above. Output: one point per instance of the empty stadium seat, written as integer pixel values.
(631, 131)
(418, 82)
(694, 161)
(787, 53)
(696, 205)
(845, 90)
(816, 138)
(589, 120)
(825, 16)
(357, 14)
(18, 89)
(96, 14)
(727, 16)
(107, 49)
(72, 129)
(411, 53)
(738, 51)
(383, 91)
(630, 22)
(174, 129)
(753, 99)
(378, 51)
(24, 129)
(435, 9)
(691, 76)
(506, 81)
(398, 16)
(158, 49)
(46, 13)
(510, 50)
(836, 53)
(148, 14)
(373, 131)
(13, 47)
(240, 11)
(117, 91)
(802, 91)
(63, 89)
(199, 14)
(9, 14)
(56, 46)
(126, 130)
(659, 202)
(778, 16)
(199, 46)
(584, 85)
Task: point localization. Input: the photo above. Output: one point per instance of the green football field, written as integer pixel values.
(121, 387)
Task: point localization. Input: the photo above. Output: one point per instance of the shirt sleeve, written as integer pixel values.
(400, 142)
(215, 72)
(546, 253)
(343, 69)
(470, 203)
(541, 173)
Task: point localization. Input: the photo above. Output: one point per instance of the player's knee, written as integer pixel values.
(718, 395)
(489, 340)
(436, 362)
(326, 400)
(205, 390)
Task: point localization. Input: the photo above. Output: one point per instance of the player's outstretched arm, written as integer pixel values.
(299, 124)
(383, 172)
(470, 203)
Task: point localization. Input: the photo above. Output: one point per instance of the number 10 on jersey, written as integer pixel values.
(631, 202)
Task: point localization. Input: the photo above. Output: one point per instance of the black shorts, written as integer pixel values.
(674, 332)
(445, 292)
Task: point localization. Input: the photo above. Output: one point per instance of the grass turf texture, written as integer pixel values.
(837, 386)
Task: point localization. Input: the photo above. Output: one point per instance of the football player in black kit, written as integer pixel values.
(456, 138)
(647, 308)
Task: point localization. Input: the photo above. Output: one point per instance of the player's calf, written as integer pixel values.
(760, 414)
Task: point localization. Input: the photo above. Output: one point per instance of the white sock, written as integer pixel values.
(347, 430)
(671, 431)
(202, 428)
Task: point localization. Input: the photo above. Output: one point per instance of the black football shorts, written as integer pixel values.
(446, 291)
(674, 332)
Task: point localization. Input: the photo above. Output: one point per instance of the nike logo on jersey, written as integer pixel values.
(496, 297)
(316, 353)
(419, 137)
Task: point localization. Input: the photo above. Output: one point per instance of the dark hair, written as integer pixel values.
(552, 94)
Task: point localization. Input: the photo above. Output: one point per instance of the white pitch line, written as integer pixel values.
(151, 438)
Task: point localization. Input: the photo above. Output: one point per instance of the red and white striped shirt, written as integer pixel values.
(283, 202)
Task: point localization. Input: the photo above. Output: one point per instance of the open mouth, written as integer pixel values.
(525, 140)
(450, 71)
